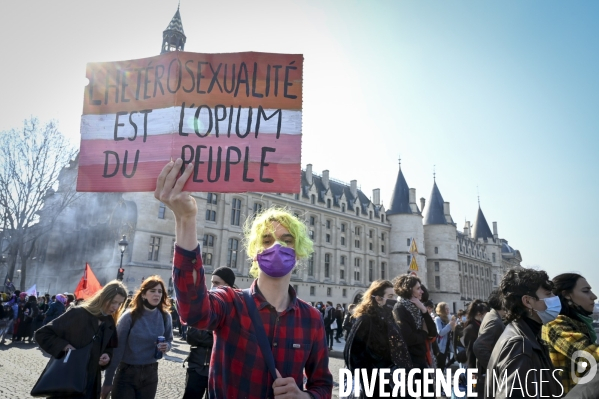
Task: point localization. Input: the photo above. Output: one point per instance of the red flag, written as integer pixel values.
(88, 285)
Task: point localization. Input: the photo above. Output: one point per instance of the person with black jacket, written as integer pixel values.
(196, 380)
(415, 323)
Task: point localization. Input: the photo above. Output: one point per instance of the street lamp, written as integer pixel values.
(122, 247)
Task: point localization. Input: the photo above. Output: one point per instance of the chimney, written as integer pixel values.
(376, 196)
(412, 196)
(467, 229)
(495, 235)
(422, 203)
(446, 209)
(353, 188)
(325, 179)
(309, 173)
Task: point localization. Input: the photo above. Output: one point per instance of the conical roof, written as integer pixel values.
(400, 200)
(433, 211)
(176, 24)
(481, 227)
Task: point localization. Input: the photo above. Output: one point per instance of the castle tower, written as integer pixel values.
(406, 225)
(493, 246)
(441, 251)
(173, 37)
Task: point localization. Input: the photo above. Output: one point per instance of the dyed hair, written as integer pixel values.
(101, 299)
(519, 282)
(402, 285)
(137, 303)
(255, 229)
(368, 304)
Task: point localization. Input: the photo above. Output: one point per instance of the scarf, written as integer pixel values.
(588, 321)
(399, 351)
(414, 311)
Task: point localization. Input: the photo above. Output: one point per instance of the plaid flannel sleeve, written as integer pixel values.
(197, 307)
(564, 337)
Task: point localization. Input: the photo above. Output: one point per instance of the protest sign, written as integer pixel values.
(237, 117)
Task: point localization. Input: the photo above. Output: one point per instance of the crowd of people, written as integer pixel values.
(265, 342)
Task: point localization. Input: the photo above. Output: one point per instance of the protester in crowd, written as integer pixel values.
(445, 327)
(30, 313)
(348, 321)
(490, 330)
(93, 321)
(573, 329)
(6, 316)
(43, 308)
(138, 329)
(474, 316)
(519, 353)
(375, 340)
(196, 381)
(56, 308)
(274, 240)
(414, 320)
(19, 325)
(320, 307)
(329, 319)
(339, 313)
(13, 303)
(430, 307)
(175, 315)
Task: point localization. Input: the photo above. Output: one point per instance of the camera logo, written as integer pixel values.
(582, 364)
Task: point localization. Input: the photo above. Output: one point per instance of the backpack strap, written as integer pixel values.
(260, 332)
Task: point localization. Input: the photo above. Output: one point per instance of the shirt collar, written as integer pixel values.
(255, 290)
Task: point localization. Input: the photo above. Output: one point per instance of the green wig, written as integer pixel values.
(255, 229)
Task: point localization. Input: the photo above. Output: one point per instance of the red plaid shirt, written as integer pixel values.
(237, 368)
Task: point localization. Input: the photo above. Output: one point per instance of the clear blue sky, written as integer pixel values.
(499, 95)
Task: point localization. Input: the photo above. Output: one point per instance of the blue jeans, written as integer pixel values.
(135, 381)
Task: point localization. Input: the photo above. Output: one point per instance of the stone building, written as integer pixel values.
(356, 240)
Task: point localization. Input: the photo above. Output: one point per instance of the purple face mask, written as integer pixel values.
(276, 261)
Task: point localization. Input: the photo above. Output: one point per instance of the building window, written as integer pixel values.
(312, 220)
(383, 266)
(370, 233)
(437, 282)
(296, 288)
(342, 274)
(409, 242)
(296, 196)
(357, 262)
(257, 208)
(208, 240)
(343, 208)
(210, 215)
(161, 211)
(344, 292)
(436, 266)
(436, 250)
(357, 211)
(312, 199)
(357, 275)
(343, 241)
(409, 258)
(495, 279)
(311, 265)
(311, 234)
(342, 260)
(154, 248)
(370, 246)
(382, 248)
(475, 269)
(328, 238)
(211, 199)
(357, 230)
(383, 236)
(327, 265)
(493, 255)
(207, 259)
(470, 268)
(232, 253)
(459, 267)
(235, 211)
(357, 243)
(328, 224)
(382, 218)
(370, 215)
(329, 203)
(343, 227)
(370, 270)
(329, 291)
(312, 290)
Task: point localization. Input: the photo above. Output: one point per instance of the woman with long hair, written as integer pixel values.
(519, 357)
(572, 330)
(375, 340)
(445, 327)
(474, 316)
(93, 321)
(138, 329)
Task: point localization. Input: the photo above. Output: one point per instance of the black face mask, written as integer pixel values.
(390, 303)
(148, 305)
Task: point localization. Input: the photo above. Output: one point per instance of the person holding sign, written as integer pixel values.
(264, 337)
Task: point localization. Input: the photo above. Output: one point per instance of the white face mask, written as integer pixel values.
(554, 306)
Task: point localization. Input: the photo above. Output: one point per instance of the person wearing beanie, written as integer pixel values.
(196, 380)
(56, 308)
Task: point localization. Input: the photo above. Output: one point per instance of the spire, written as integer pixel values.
(173, 37)
(400, 200)
(481, 227)
(434, 212)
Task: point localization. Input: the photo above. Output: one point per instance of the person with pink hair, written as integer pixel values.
(56, 308)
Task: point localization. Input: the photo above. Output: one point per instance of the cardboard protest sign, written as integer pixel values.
(236, 117)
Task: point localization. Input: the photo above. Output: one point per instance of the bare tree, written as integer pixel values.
(31, 160)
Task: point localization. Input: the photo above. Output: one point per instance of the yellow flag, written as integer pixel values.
(413, 264)
(413, 248)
